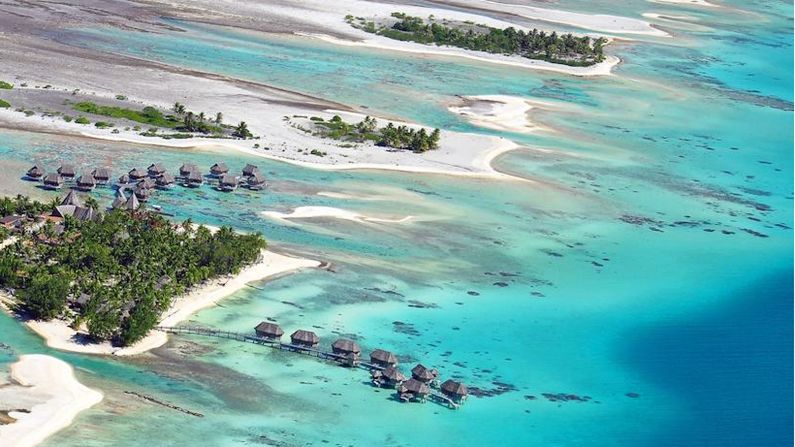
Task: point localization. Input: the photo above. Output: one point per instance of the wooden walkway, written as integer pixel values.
(435, 396)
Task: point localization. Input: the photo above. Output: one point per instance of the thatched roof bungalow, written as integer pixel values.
(67, 171)
(101, 175)
(187, 168)
(155, 170)
(35, 173)
(132, 203)
(382, 358)
(86, 182)
(72, 199)
(423, 374)
(270, 331)
(137, 174)
(219, 169)
(456, 391)
(256, 181)
(124, 179)
(228, 182)
(119, 200)
(304, 339)
(53, 181)
(413, 389)
(143, 194)
(344, 347)
(393, 376)
(194, 179)
(249, 170)
(165, 181)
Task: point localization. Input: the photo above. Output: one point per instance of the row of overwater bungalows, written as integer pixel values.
(383, 365)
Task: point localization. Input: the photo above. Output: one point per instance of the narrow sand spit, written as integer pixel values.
(702, 3)
(59, 335)
(308, 212)
(500, 112)
(47, 388)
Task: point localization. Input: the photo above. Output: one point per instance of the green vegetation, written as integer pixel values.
(565, 49)
(103, 124)
(149, 115)
(121, 97)
(241, 131)
(398, 137)
(82, 120)
(129, 267)
(5, 85)
(4, 104)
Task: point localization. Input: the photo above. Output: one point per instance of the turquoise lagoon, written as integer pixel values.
(646, 269)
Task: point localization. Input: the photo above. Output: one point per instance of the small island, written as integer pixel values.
(368, 130)
(565, 49)
(114, 273)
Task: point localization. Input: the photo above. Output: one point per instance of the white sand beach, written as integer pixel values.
(50, 395)
(308, 212)
(499, 112)
(59, 335)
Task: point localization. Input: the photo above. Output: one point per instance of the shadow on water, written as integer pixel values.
(733, 368)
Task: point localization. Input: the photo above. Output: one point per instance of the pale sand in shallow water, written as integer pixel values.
(499, 112)
(308, 212)
(47, 388)
(59, 335)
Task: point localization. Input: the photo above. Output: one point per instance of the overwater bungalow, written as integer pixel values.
(85, 182)
(155, 170)
(269, 331)
(165, 181)
(382, 358)
(228, 182)
(143, 194)
(146, 183)
(347, 348)
(67, 172)
(456, 391)
(101, 175)
(35, 173)
(53, 181)
(423, 374)
(249, 170)
(389, 377)
(413, 389)
(137, 174)
(218, 169)
(194, 179)
(187, 168)
(124, 180)
(304, 339)
(256, 181)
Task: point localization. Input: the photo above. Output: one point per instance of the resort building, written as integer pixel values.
(218, 169)
(124, 180)
(194, 179)
(119, 200)
(72, 199)
(187, 168)
(67, 172)
(101, 175)
(142, 193)
(53, 181)
(256, 181)
(228, 182)
(269, 331)
(132, 203)
(165, 181)
(13, 222)
(35, 173)
(423, 374)
(85, 182)
(137, 174)
(413, 389)
(249, 170)
(389, 377)
(304, 339)
(382, 358)
(456, 391)
(155, 170)
(347, 348)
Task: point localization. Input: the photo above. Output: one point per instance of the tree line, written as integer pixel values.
(398, 137)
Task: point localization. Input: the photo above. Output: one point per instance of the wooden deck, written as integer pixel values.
(435, 396)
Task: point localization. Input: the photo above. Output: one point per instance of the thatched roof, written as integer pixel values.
(187, 168)
(85, 214)
(142, 193)
(132, 203)
(53, 179)
(136, 173)
(256, 178)
(155, 169)
(67, 170)
(86, 180)
(393, 374)
(269, 329)
(120, 200)
(146, 183)
(414, 386)
(219, 168)
(454, 388)
(344, 346)
(305, 337)
(195, 176)
(250, 169)
(101, 173)
(124, 179)
(72, 199)
(64, 211)
(35, 171)
(420, 372)
(379, 355)
(165, 179)
(229, 180)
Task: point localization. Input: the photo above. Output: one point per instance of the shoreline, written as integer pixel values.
(499, 112)
(56, 398)
(59, 335)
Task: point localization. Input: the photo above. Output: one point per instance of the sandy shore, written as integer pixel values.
(702, 3)
(47, 388)
(499, 112)
(59, 335)
(308, 212)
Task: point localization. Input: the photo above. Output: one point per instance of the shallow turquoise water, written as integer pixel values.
(656, 261)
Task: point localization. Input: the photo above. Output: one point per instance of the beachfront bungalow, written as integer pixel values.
(72, 199)
(74, 211)
(67, 172)
(413, 389)
(228, 183)
(53, 181)
(101, 175)
(348, 349)
(137, 174)
(165, 181)
(249, 170)
(269, 331)
(155, 170)
(35, 173)
(187, 168)
(456, 391)
(194, 179)
(85, 182)
(256, 181)
(304, 339)
(119, 200)
(13, 222)
(382, 358)
(423, 374)
(132, 203)
(218, 169)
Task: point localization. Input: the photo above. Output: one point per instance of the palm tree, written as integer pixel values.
(92, 203)
(219, 118)
(241, 131)
(179, 108)
(201, 117)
